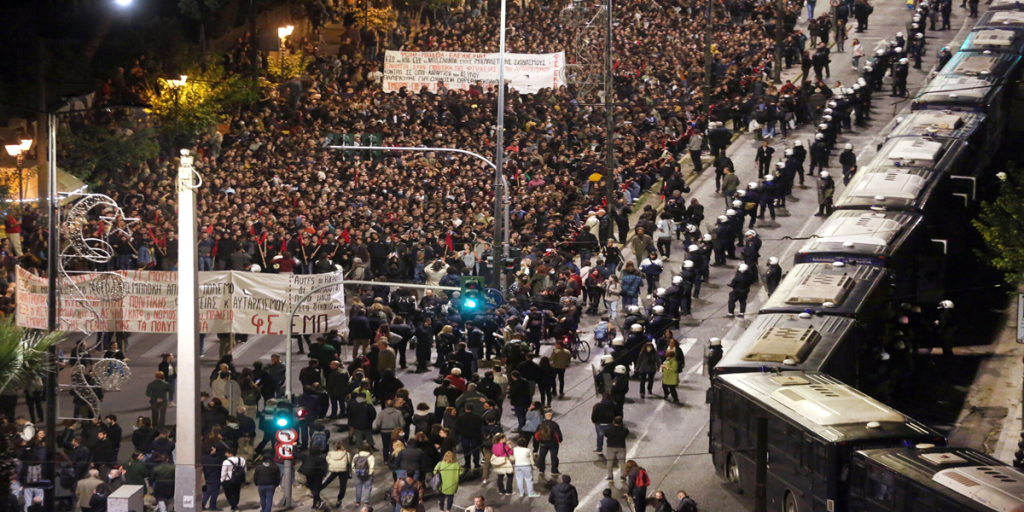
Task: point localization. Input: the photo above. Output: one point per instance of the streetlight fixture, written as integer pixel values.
(282, 34)
(18, 151)
(123, 3)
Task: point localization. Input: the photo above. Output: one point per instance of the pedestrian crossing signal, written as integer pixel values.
(283, 416)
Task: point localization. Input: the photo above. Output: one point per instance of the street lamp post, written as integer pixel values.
(18, 151)
(282, 34)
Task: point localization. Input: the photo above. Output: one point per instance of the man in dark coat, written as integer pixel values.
(564, 496)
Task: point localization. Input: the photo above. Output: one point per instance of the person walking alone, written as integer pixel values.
(615, 437)
(266, 478)
(564, 496)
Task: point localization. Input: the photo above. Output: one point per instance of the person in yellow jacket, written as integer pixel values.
(670, 375)
(450, 471)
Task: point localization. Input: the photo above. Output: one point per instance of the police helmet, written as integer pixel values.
(868, 68)
(620, 369)
(772, 260)
(716, 342)
(798, 144)
(824, 174)
(819, 136)
(677, 280)
(607, 358)
(832, 104)
(659, 310)
(634, 309)
(690, 228)
(686, 264)
(946, 304)
(919, 36)
(899, 34)
(661, 292)
(780, 165)
(769, 178)
(848, 146)
(904, 60)
(693, 248)
(637, 328)
(827, 118)
(721, 218)
(737, 203)
(827, 110)
(899, 49)
(752, 185)
(824, 126)
(742, 268)
(788, 152)
(729, 213)
(750, 232)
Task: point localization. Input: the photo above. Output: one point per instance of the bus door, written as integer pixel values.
(931, 271)
(816, 457)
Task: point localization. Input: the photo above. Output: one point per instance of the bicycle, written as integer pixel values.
(578, 347)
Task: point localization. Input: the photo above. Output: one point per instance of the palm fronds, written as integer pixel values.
(24, 354)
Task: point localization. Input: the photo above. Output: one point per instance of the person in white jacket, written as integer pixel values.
(338, 461)
(663, 234)
(523, 456)
(232, 490)
(435, 271)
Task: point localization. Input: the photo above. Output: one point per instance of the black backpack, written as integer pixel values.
(408, 497)
(237, 474)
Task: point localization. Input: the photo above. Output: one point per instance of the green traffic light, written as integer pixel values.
(282, 422)
(470, 303)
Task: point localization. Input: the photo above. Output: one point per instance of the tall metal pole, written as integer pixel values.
(187, 484)
(255, 50)
(709, 22)
(499, 163)
(609, 121)
(52, 253)
(780, 8)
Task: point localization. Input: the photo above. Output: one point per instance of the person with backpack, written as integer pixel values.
(652, 267)
(362, 474)
(338, 462)
(407, 493)
(232, 477)
(447, 473)
(314, 468)
(548, 438)
(637, 482)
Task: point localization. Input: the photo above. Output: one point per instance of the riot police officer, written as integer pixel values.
(772, 275)
(849, 162)
(740, 285)
(819, 154)
(900, 72)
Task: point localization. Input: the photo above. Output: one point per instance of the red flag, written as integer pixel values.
(344, 234)
(448, 241)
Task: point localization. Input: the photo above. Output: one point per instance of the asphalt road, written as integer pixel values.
(669, 440)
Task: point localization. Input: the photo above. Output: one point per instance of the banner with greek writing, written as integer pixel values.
(528, 73)
(146, 301)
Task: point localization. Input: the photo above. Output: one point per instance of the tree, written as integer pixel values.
(1001, 223)
(205, 97)
(89, 151)
(24, 357)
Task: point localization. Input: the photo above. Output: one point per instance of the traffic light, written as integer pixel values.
(472, 295)
(283, 415)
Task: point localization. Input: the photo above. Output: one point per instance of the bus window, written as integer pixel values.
(820, 459)
(807, 453)
(882, 489)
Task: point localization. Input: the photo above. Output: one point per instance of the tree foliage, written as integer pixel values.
(207, 97)
(90, 151)
(293, 64)
(1001, 223)
(23, 358)
(198, 9)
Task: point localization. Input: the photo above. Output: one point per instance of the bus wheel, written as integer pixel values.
(790, 503)
(732, 470)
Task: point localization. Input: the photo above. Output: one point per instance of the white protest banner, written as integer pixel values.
(528, 73)
(239, 302)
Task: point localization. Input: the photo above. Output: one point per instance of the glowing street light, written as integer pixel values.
(18, 151)
(282, 34)
(123, 3)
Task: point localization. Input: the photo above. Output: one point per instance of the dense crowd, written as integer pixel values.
(273, 192)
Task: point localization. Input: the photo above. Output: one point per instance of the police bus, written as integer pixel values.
(982, 83)
(933, 479)
(833, 289)
(945, 125)
(814, 425)
(837, 346)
